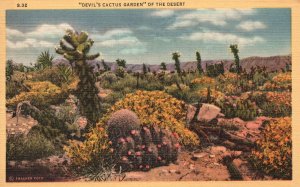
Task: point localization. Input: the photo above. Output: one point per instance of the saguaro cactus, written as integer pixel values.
(75, 47)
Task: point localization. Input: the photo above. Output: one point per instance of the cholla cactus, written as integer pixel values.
(121, 63)
(199, 65)
(234, 49)
(175, 57)
(145, 69)
(75, 48)
(163, 66)
(105, 66)
(138, 147)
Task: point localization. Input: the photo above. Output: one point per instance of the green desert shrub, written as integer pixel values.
(215, 70)
(30, 147)
(127, 81)
(183, 93)
(48, 74)
(121, 72)
(277, 104)
(242, 107)
(107, 78)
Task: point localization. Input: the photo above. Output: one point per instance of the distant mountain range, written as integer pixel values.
(271, 63)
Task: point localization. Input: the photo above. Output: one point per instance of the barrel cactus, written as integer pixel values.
(121, 123)
(137, 147)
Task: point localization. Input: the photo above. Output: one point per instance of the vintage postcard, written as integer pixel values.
(164, 91)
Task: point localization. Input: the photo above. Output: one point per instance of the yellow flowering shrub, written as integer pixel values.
(273, 153)
(203, 80)
(280, 98)
(283, 78)
(95, 150)
(43, 93)
(158, 108)
(228, 77)
(40, 93)
(214, 94)
(273, 104)
(173, 88)
(229, 83)
(282, 81)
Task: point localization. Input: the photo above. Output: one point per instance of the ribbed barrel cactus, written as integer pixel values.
(75, 48)
(137, 147)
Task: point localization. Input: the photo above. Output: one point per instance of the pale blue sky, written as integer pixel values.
(150, 36)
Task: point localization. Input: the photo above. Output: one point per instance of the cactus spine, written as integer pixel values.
(75, 48)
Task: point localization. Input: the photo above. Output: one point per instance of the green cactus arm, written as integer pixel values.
(82, 37)
(92, 57)
(84, 47)
(69, 57)
(71, 39)
(65, 47)
(60, 51)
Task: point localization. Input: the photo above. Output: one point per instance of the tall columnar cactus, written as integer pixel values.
(75, 48)
(199, 64)
(235, 51)
(175, 57)
(144, 69)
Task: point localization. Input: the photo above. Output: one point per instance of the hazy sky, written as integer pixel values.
(150, 36)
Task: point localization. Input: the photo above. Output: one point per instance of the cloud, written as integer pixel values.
(49, 31)
(117, 32)
(128, 41)
(10, 33)
(163, 39)
(41, 36)
(163, 13)
(122, 38)
(29, 42)
(226, 38)
(251, 25)
(183, 24)
(144, 28)
(133, 51)
(217, 17)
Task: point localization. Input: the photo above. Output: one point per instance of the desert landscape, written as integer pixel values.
(76, 118)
